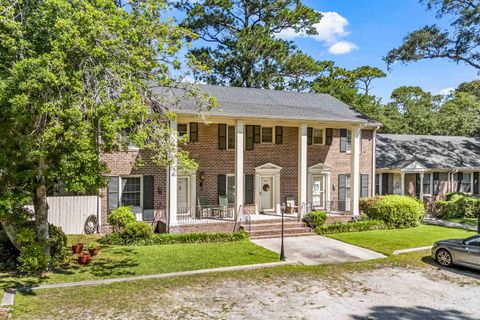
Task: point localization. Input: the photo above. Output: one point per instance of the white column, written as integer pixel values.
(421, 186)
(402, 183)
(302, 165)
(172, 177)
(471, 182)
(380, 183)
(239, 176)
(355, 171)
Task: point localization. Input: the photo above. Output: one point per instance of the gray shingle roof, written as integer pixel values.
(273, 104)
(440, 152)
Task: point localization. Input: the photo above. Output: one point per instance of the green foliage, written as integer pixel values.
(135, 232)
(316, 218)
(244, 48)
(396, 211)
(172, 238)
(357, 226)
(93, 245)
(119, 218)
(459, 44)
(8, 252)
(32, 259)
(58, 245)
(458, 205)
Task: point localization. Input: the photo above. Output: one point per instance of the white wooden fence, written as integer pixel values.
(71, 212)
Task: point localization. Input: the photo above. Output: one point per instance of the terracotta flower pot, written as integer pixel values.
(93, 252)
(77, 248)
(83, 259)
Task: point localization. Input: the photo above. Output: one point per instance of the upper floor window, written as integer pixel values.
(231, 137)
(182, 129)
(345, 140)
(267, 135)
(317, 136)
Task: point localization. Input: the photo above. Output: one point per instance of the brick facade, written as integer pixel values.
(213, 162)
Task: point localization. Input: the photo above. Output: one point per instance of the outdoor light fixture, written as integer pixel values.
(202, 177)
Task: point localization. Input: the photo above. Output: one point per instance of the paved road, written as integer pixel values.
(314, 250)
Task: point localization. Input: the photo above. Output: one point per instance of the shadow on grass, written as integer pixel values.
(413, 313)
(463, 271)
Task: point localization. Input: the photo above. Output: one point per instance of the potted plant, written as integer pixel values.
(93, 248)
(77, 248)
(83, 258)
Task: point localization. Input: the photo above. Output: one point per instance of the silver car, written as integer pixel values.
(464, 252)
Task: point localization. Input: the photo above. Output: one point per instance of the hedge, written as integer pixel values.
(339, 227)
(174, 238)
(396, 211)
(458, 205)
(316, 218)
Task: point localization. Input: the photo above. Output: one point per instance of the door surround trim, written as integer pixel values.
(268, 169)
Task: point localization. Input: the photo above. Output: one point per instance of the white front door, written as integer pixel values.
(266, 193)
(183, 195)
(318, 192)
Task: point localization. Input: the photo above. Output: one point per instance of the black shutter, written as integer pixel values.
(363, 185)
(459, 181)
(418, 185)
(329, 136)
(148, 197)
(222, 136)
(436, 183)
(309, 136)
(385, 183)
(342, 192)
(256, 134)
(475, 182)
(222, 185)
(249, 187)
(278, 135)
(113, 193)
(231, 137)
(343, 140)
(193, 131)
(249, 145)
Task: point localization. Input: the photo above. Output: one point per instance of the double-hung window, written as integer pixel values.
(349, 141)
(131, 192)
(426, 183)
(317, 136)
(231, 188)
(466, 183)
(267, 134)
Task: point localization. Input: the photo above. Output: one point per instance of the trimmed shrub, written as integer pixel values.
(339, 227)
(365, 203)
(135, 232)
(458, 205)
(316, 218)
(58, 245)
(120, 217)
(174, 238)
(396, 211)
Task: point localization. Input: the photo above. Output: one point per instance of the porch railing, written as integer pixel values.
(205, 214)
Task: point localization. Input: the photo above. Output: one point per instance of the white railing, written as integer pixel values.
(72, 213)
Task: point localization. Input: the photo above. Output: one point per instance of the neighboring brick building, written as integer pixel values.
(423, 165)
(265, 151)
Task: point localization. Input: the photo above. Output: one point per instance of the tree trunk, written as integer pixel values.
(11, 232)
(40, 207)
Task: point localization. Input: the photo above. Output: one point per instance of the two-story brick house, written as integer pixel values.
(262, 151)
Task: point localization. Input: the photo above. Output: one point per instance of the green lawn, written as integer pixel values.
(125, 261)
(467, 221)
(387, 241)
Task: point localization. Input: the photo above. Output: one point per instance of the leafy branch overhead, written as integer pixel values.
(460, 44)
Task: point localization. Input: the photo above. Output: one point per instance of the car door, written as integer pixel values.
(472, 257)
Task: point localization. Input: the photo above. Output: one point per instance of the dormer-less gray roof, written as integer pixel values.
(397, 151)
(274, 104)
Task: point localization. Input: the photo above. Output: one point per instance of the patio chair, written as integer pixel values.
(204, 209)
(290, 206)
(223, 209)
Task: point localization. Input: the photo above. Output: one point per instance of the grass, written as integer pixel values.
(109, 300)
(387, 241)
(125, 261)
(467, 221)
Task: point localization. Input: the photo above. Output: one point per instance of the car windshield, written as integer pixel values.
(473, 241)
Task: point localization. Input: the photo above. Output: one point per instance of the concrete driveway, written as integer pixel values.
(313, 250)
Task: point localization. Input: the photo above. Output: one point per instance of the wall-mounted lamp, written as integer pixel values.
(201, 177)
(333, 186)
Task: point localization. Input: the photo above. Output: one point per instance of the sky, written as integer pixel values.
(361, 32)
(353, 33)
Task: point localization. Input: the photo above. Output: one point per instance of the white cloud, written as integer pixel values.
(331, 32)
(342, 47)
(446, 91)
